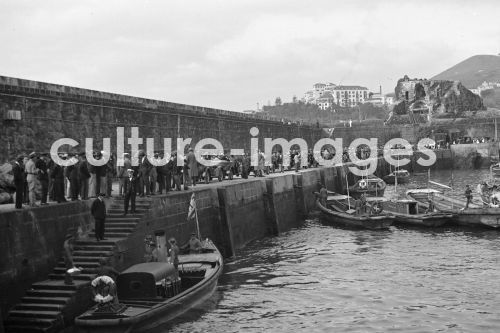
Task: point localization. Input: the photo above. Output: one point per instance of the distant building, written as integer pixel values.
(350, 96)
(326, 101)
(326, 94)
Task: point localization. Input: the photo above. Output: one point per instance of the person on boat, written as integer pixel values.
(149, 247)
(105, 269)
(173, 253)
(323, 195)
(495, 196)
(104, 290)
(362, 200)
(357, 206)
(193, 245)
(483, 191)
(431, 208)
(468, 196)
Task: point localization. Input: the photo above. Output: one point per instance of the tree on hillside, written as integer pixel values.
(278, 101)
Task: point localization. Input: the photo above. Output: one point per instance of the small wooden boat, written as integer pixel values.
(151, 294)
(338, 211)
(410, 212)
(401, 175)
(495, 170)
(477, 214)
(371, 185)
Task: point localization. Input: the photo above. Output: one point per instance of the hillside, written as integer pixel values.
(473, 71)
(312, 114)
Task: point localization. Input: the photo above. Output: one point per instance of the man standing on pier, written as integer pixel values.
(18, 171)
(98, 211)
(130, 186)
(32, 173)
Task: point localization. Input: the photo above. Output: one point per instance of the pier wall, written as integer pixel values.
(48, 112)
(31, 243)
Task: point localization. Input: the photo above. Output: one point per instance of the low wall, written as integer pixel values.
(31, 242)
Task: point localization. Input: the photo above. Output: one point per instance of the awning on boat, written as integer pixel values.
(139, 281)
(423, 191)
(338, 197)
(376, 199)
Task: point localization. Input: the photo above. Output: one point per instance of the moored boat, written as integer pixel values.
(475, 215)
(401, 176)
(151, 294)
(495, 170)
(371, 185)
(339, 211)
(410, 212)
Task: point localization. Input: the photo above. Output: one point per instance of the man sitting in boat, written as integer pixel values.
(193, 245)
(323, 195)
(431, 208)
(495, 197)
(362, 204)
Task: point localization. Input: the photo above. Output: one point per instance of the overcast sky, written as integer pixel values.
(233, 54)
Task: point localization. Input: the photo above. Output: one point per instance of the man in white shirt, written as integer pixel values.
(31, 176)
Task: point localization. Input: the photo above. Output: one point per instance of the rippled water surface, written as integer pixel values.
(324, 279)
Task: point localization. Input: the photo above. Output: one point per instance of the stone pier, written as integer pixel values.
(231, 213)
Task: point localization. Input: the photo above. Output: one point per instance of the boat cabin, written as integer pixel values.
(403, 206)
(149, 280)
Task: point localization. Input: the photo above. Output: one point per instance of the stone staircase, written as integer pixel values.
(44, 308)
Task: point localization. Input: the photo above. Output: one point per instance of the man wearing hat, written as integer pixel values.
(98, 211)
(83, 176)
(57, 175)
(121, 173)
(18, 171)
(130, 185)
(193, 167)
(31, 172)
(144, 173)
(193, 245)
(43, 176)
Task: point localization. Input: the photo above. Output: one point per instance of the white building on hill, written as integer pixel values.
(326, 94)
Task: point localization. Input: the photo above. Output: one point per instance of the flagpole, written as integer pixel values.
(197, 224)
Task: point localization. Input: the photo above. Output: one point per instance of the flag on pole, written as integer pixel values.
(192, 208)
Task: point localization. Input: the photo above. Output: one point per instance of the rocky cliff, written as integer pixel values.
(433, 98)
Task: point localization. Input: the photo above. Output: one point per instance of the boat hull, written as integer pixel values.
(489, 217)
(359, 222)
(474, 216)
(156, 315)
(423, 220)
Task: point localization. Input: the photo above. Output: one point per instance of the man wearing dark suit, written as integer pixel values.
(57, 174)
(83, 177)
(144, 173)
(43, 176)
(18, 171)
(130, 184)
(98, 211)
(74, 182)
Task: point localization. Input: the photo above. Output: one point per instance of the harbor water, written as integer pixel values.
(320, 278)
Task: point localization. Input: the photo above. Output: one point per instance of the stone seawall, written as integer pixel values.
(49, 112)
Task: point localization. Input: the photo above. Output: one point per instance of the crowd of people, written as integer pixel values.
(38, 179)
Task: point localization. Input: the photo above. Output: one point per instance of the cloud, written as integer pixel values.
(233, 54)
